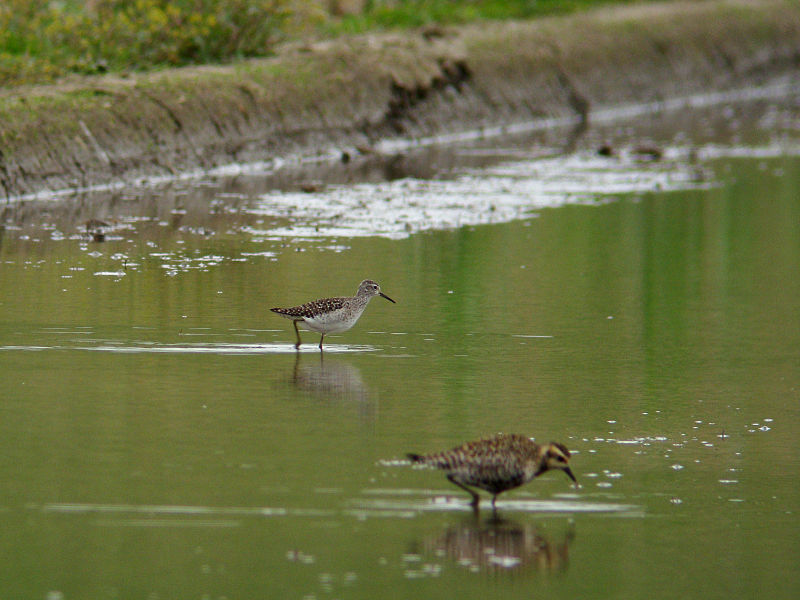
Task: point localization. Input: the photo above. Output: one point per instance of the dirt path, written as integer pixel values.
(347, 95)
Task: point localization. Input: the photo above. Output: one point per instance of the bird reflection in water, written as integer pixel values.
(332, 381)
(497, 545)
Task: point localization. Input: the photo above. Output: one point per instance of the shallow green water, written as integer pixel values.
(161, 438)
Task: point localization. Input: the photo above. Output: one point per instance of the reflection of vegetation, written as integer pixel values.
(497, 545)
(40, 41)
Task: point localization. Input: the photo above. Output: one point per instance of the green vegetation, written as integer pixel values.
(42, 41)
(416, 13)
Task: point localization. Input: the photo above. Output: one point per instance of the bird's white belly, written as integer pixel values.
(334, 322)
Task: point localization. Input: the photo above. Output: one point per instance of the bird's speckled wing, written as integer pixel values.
(493, 464)
(499, 456)
(309, 310)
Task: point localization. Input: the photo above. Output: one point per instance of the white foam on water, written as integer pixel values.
(498, 194)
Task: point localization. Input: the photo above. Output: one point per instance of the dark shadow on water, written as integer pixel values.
(498, 545)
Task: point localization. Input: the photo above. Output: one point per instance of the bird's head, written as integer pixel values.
(556, 456)
(370, 288)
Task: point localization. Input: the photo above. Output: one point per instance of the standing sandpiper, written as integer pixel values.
(332, 315)
(497, 464)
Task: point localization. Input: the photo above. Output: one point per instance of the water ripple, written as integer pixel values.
(219, 348)
(445, 502)
(362, 508)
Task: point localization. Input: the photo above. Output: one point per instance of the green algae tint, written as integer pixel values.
(161, 438)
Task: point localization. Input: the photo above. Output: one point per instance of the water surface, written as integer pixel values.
(161, 438)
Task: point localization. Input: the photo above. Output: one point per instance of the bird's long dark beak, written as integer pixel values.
(568, 471)
(387, 297)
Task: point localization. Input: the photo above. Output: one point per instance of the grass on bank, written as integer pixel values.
(41, 42)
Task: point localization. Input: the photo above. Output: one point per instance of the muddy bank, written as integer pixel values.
(345, 96)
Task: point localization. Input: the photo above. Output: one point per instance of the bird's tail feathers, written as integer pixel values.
(437, 461)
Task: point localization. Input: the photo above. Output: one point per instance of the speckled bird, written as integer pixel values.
(332, 315)
(498, 463)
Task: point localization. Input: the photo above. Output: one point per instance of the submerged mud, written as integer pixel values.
(346, 98)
